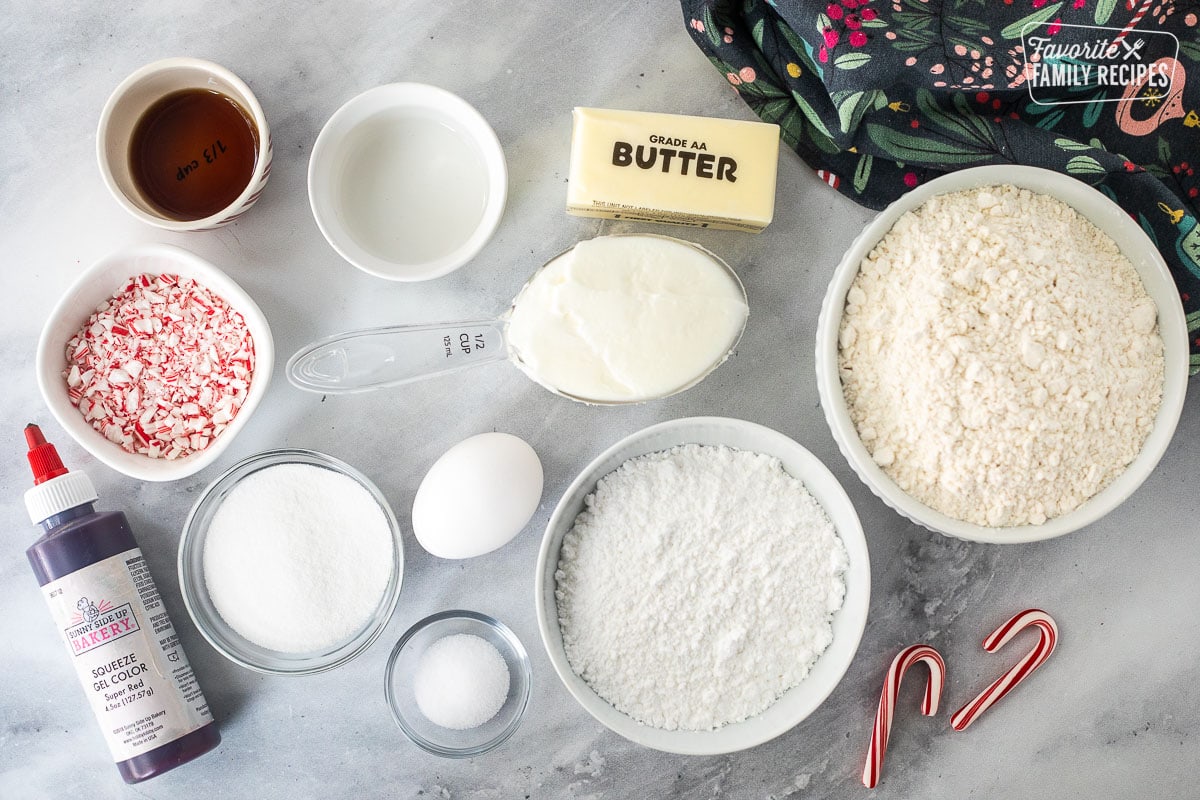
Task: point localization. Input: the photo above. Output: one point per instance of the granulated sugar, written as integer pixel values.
(698, 586)
(1000, 357)
(297, 557)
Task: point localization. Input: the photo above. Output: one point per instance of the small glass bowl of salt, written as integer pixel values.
(458, 683)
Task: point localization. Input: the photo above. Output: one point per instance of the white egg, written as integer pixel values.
(477, 496)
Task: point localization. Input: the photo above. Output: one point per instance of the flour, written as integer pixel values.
(697, 586)
(1000, 357)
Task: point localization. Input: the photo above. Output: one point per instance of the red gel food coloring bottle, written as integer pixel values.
(108, 611)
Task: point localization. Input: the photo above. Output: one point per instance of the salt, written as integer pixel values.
(461, 681)
(297, 558)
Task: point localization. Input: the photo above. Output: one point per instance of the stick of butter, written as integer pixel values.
(694, 171)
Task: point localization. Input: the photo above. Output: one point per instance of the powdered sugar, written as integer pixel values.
(697, 586)
(1000, 357)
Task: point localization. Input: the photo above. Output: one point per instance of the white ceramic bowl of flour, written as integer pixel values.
(1133, 243)
(848, 623)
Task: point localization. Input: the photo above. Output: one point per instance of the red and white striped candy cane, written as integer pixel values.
(887, 702)
(1133, 21)
(1007, 682)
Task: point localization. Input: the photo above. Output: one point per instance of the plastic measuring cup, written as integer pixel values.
(374, 358)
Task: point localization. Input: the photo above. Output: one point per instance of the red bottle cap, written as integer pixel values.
(43, 458)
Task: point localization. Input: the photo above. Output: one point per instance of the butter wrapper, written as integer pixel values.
(698, 172)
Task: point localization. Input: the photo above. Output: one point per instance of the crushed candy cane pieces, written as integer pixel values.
(162, 367)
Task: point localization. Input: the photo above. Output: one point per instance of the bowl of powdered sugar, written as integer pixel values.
(702, 585)
(290, 563)
(1002, 355)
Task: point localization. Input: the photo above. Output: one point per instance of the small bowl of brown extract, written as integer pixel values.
(183, 144)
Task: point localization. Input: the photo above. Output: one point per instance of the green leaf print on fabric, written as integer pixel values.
(1104, 10)
(965, 127)
(1094, 110)
(1070, 144)
(862, 172)
(853, 105)
(1024, 25)
(1085, 165)
(851, 60)
(711, 28)
(905, 147)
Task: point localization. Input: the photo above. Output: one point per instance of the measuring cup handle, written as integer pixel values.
(378, 357)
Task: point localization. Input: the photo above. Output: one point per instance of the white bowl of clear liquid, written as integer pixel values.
(407, 181)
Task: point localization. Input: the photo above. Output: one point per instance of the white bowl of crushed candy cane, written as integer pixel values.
(1048, 386)
(153, 360)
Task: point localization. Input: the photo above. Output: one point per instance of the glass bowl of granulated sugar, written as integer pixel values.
(1002, 355)
(291, 562)
(702, 585)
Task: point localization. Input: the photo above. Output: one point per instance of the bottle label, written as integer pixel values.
(128, 658)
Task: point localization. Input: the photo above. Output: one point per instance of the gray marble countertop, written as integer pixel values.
(1114, 713)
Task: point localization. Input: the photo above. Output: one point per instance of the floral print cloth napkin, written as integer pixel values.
(879, 96)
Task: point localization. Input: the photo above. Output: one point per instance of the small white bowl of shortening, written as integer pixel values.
(702, 585)
(407, 181)
(1002, 355)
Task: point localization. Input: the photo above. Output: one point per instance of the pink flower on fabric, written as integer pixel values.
(910, 179)
(858, 39)
(698, 25)
(868, 14)
(851, 4)
(823, 55)
(833, 11)
(853, 22)
(831, 37)
(734, 79)
(1054, 27)
(747, 74)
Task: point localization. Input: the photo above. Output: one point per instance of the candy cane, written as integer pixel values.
(1008, 681)
(1137, 17)
(887, 702)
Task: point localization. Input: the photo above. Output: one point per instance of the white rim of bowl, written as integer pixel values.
(694, 742)
(1172, 325)
(50, 361)
(475, 128)
(261, 162)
